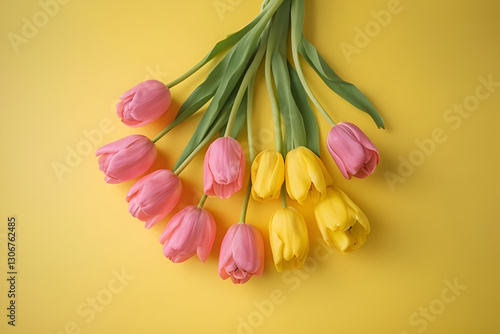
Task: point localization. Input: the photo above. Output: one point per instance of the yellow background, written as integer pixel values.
(75, 235)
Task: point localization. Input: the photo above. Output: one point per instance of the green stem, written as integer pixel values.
(264, 4)
(283, 195)
(298, 68)
(187, 74)
(202, 201)
(244, 207)
(274, 102)
(270, 7)
(273, 7)
(162, 133)
(192, 155)
(204, 61)
(249, 75)
(251, 150)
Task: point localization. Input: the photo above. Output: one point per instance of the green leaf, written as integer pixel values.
(203, 93)
(232, 39)
(294, 123)
(219, 122)
(236, 62)
(297, 18)
(300, 96)
(206, 90)
(344, 89)
(241, 117)
(295, 133)
(236, 66)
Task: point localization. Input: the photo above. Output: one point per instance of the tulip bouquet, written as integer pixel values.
(293, 167)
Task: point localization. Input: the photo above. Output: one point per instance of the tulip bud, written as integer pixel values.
(289, 239)
(341, 222)
(126, 158)
(224, 168)
(190, 231)
(268, 173)
(306, 176)
(144, 104)
(241, 253)
(352, 150)
(154, 196)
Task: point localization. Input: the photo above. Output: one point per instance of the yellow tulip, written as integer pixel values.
(341, 222)
(289, 239)
(268, 174)
(306, 176)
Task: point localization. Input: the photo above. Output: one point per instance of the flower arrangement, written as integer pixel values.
(294, 167)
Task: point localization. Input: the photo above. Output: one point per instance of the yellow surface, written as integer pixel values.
(438, 228)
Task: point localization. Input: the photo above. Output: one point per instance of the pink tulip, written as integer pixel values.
(126, 158)
(191, 231)
(352, 150)
(154, 196)
(224, 168)
(241, 253)
(144, 103)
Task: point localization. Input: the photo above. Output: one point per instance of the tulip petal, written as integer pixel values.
(289, 239)
(349, 150)
(207, 176)
(207, 222)
(131, 159)
(225, 190)
(360, 136)
(340, 240)
(295, 235)
(224, 162)
(154, 196)
(223, 273)
(277, 250)
(224, 167)
(316, 173)
(226, 251)
(123, 167)
(306, 176)
(153, 220)
(244, 251)
(352, 150)
(358, 214)
(139, 184)
(358, 235)
(241, 254)
(245, 277)
(186, 235)
(118, 145)
(173, 224)
(267, 175)
(342, 224)
(161, 194)
(340, 163)
(144, 103)
(298, 181)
